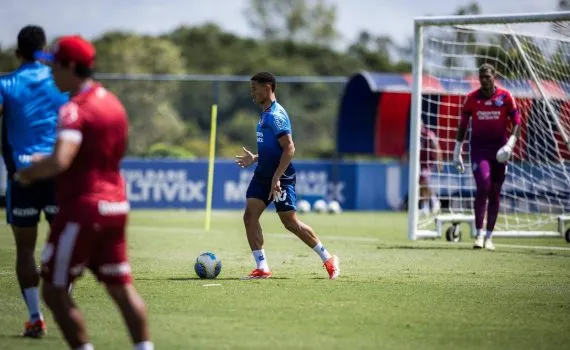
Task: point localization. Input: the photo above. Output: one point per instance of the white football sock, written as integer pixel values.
(32, 297)
(260, 259)
(434, 201)
(144, 345)
(86, 346)
(425, 206)
(480, 233)
(323, 253)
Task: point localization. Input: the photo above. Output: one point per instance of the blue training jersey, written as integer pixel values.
(30, 101)
(273, 124)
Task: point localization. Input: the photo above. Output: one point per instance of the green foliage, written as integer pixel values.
(165, 150)
(296, 38)
(299, 20)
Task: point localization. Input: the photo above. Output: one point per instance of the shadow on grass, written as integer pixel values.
(27, 340)
(197, 279)
(468, 247)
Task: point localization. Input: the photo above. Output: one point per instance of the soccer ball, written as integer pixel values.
(303, 206)
(320, 206)
(208, 266)
(334, 207)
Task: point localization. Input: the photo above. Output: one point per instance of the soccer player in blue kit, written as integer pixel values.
(274, 179)
(29, 104)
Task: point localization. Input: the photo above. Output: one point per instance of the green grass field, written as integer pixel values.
(393, 293)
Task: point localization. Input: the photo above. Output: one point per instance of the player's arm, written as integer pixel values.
(68, 142)
(66, 148)
(466, 113)
(513, 112)
(438, 153)
(247, 159)
(282, 130)
(286, 143)
(515, 116)
(464, 122)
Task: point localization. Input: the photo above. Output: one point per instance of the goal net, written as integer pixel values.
(531, 55)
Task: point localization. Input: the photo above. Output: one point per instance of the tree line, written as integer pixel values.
(293, 37)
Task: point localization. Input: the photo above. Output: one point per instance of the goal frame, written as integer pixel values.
(416, 109)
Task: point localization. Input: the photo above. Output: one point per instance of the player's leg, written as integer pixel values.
(427, 194)
(257, 195)
(285, 206)
(424, 194)
(22, 214)
(63, 258)
(498, 171)
(66, 314)
(134, 313)
(482, 174)
(49, 205)
(435, 203)
(111, 266)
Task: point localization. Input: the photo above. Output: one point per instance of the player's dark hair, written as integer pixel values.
(265, 78)
(81, 71)
(486, 67)
(31, 39)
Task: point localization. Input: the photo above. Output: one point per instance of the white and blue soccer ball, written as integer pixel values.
(208, 266)
(320, 206)
(334, 207)
(303, 206)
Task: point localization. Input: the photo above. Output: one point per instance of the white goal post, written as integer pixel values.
(531, 55)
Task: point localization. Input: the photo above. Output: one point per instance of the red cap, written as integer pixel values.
(73, 48)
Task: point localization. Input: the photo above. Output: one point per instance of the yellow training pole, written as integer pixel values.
(211, 161)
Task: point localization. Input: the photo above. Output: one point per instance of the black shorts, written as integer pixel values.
(24, 205)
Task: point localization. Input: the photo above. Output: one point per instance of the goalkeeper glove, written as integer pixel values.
(505, 152)
(457, 159)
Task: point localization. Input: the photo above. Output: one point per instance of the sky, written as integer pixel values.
(92, 18)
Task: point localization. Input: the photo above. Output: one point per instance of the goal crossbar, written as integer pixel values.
(425, 21)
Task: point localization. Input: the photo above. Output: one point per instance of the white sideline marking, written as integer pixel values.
(337, 238)
(212, 285)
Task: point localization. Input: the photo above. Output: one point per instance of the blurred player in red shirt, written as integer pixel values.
(430, 154)
(90, 229)
(491, 110)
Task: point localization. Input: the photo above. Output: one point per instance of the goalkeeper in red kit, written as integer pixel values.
(492, 111)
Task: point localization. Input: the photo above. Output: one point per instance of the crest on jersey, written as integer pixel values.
(499, 101)
(280, 121)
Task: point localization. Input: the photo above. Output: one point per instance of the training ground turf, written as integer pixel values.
(392, 293)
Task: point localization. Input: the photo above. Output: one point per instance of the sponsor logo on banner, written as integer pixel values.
(234, 191)
(309, 184)
(145, 185)
(317, 184)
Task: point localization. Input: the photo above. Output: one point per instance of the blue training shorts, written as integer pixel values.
(260, 190)
(24, 205)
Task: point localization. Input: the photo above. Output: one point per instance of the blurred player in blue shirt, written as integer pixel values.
(274, 179)
(29, 104)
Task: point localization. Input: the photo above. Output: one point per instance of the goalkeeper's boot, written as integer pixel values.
(479, 242)
(258, 274)
(489, 245)
(36, 329)
(333, 267)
